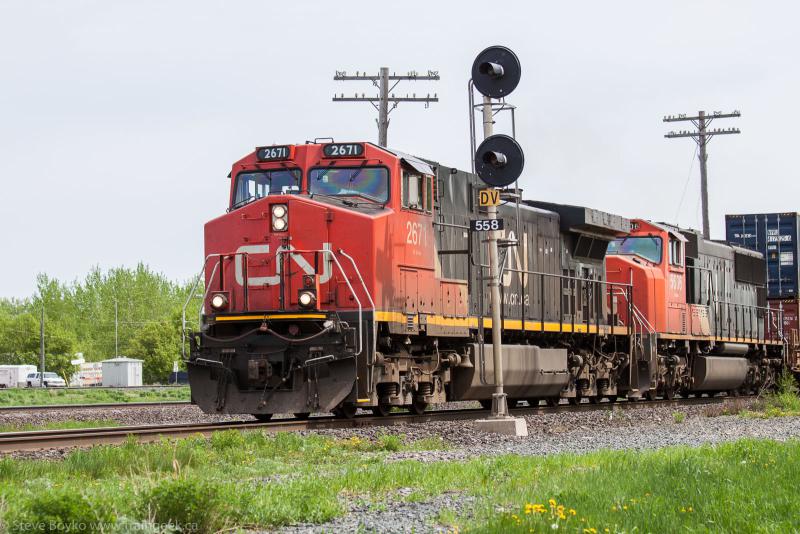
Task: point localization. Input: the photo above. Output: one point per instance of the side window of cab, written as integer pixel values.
(675, 252)
(417, 192)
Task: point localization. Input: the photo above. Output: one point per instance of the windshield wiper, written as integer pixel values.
(335, 197)
(243, 202)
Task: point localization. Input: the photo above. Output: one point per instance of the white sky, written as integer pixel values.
(119, 120)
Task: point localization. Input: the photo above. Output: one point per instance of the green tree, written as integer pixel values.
(79, 317)
(158, 345)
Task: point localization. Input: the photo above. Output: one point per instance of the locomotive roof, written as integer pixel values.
(583, 219)
(418, 164)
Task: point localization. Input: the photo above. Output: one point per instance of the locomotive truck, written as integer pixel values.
(346, 276)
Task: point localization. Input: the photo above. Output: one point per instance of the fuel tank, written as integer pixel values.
(528, 371)
(718, 373)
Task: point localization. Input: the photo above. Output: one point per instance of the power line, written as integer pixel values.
(702, 135)
(382, 100)
(685, 186)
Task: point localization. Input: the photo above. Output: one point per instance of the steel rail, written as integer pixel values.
(83, 437)
(46, 407)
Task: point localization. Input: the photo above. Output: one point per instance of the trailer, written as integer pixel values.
(13, 376)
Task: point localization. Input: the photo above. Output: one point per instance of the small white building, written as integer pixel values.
(122, 372)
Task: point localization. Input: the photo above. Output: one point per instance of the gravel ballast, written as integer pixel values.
(613, 427)
(565, 432)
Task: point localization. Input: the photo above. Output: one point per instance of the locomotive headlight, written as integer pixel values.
(219, 301)
(306, 299)
(280, 217)
(279, 224)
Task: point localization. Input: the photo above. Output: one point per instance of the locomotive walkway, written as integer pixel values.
(47, 439)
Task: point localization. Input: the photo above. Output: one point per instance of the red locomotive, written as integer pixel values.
(345, 275)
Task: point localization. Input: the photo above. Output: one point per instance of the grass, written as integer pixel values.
(46, 397)
(783, 402)
(679, 417)
(255, 480)
(59, 425)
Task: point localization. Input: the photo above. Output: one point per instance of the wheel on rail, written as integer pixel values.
(382, 409)
(650, 395)
(512, 403)
(418, 407)
(594, 399)
(262, 417)
(669, 393)
(486, 404)
(345, 411)
(552, 401)
(574, 401)
(612, 398)
(533, 402)
(302, 415)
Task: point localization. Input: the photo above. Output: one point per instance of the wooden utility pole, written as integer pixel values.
(702, 135)
(382, 100)
(41, 347)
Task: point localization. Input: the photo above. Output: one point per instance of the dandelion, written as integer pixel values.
(554, 526)
(690, 509)
(552, 502)
(624, 506)
(614, 508)
(572, 511)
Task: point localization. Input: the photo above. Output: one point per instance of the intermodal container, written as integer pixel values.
(775, 235)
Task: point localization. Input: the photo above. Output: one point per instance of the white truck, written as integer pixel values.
(33, 380)
(14, 376)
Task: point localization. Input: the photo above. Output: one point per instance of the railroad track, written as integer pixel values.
(46, 439)
(48, 407)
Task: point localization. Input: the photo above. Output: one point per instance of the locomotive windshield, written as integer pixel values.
(648, 247)
(371, 183)
(254, 185)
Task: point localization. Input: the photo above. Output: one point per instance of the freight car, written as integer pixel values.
(345, 275)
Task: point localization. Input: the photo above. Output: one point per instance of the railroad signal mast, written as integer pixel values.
(702, 135)
(498, 161)
(384, 98)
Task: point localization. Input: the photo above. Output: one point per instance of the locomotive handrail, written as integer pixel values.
(361, 278)
(205, 294)
(564, 276)
(637, 313)
(278, 254)
(769, 313)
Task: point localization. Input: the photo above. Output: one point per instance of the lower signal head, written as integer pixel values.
(499, 160)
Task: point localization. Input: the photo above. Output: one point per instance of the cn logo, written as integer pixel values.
(276, 279)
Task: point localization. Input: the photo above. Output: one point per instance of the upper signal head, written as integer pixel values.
(496, 72)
